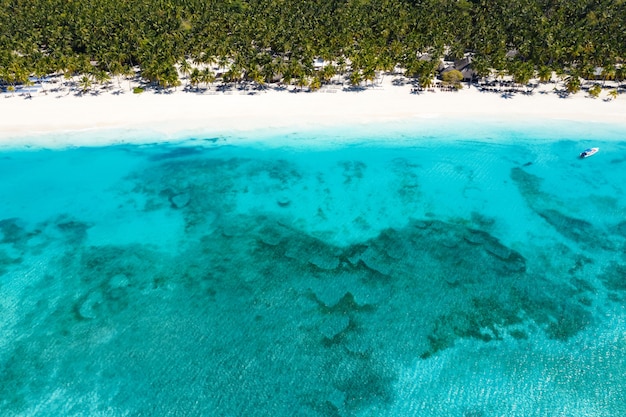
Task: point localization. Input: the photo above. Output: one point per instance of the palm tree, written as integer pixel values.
(572, 84)
(522, 73)
(233, 74)
(102, 77)
(129, 73)
(28, 83)
(342, 66)
(117, 70)
(85, 83)
(256, 76)
(480, 67)
(302, 81)
(315, 83)
(295, 70)
(595, 91)
(185, 68)
(355, 78)
(170, 78)
(16, 74)
(268, 71)
(195, 77)
(613, 94)
(281, 67)
(560, 75)
(327, 73)
(369, 74)
(287, 76)
(608, 73)
(207, 76)
(223, 63)
(426, 80)
(587, 71)
(385, 63)
(620, 73)
(42, 69)
(545, 73)
(501, 73)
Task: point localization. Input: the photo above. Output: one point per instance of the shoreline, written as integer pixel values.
(54, 119)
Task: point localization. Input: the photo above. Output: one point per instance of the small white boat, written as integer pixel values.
(588, 152)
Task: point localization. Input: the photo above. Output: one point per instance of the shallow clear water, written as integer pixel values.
(463, 270)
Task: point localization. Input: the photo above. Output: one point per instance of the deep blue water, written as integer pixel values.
(465, 269)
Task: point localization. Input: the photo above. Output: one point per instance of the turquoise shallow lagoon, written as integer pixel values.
(471, 269)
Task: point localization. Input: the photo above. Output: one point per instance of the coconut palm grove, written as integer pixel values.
(276, 40)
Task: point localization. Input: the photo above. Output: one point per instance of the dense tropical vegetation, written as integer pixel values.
(270, 40)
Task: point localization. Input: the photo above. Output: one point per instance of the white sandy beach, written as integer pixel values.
(167, 113)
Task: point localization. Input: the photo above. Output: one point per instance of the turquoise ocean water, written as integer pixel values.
(436, 269)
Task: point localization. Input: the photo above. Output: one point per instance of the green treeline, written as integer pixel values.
(263, 40)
